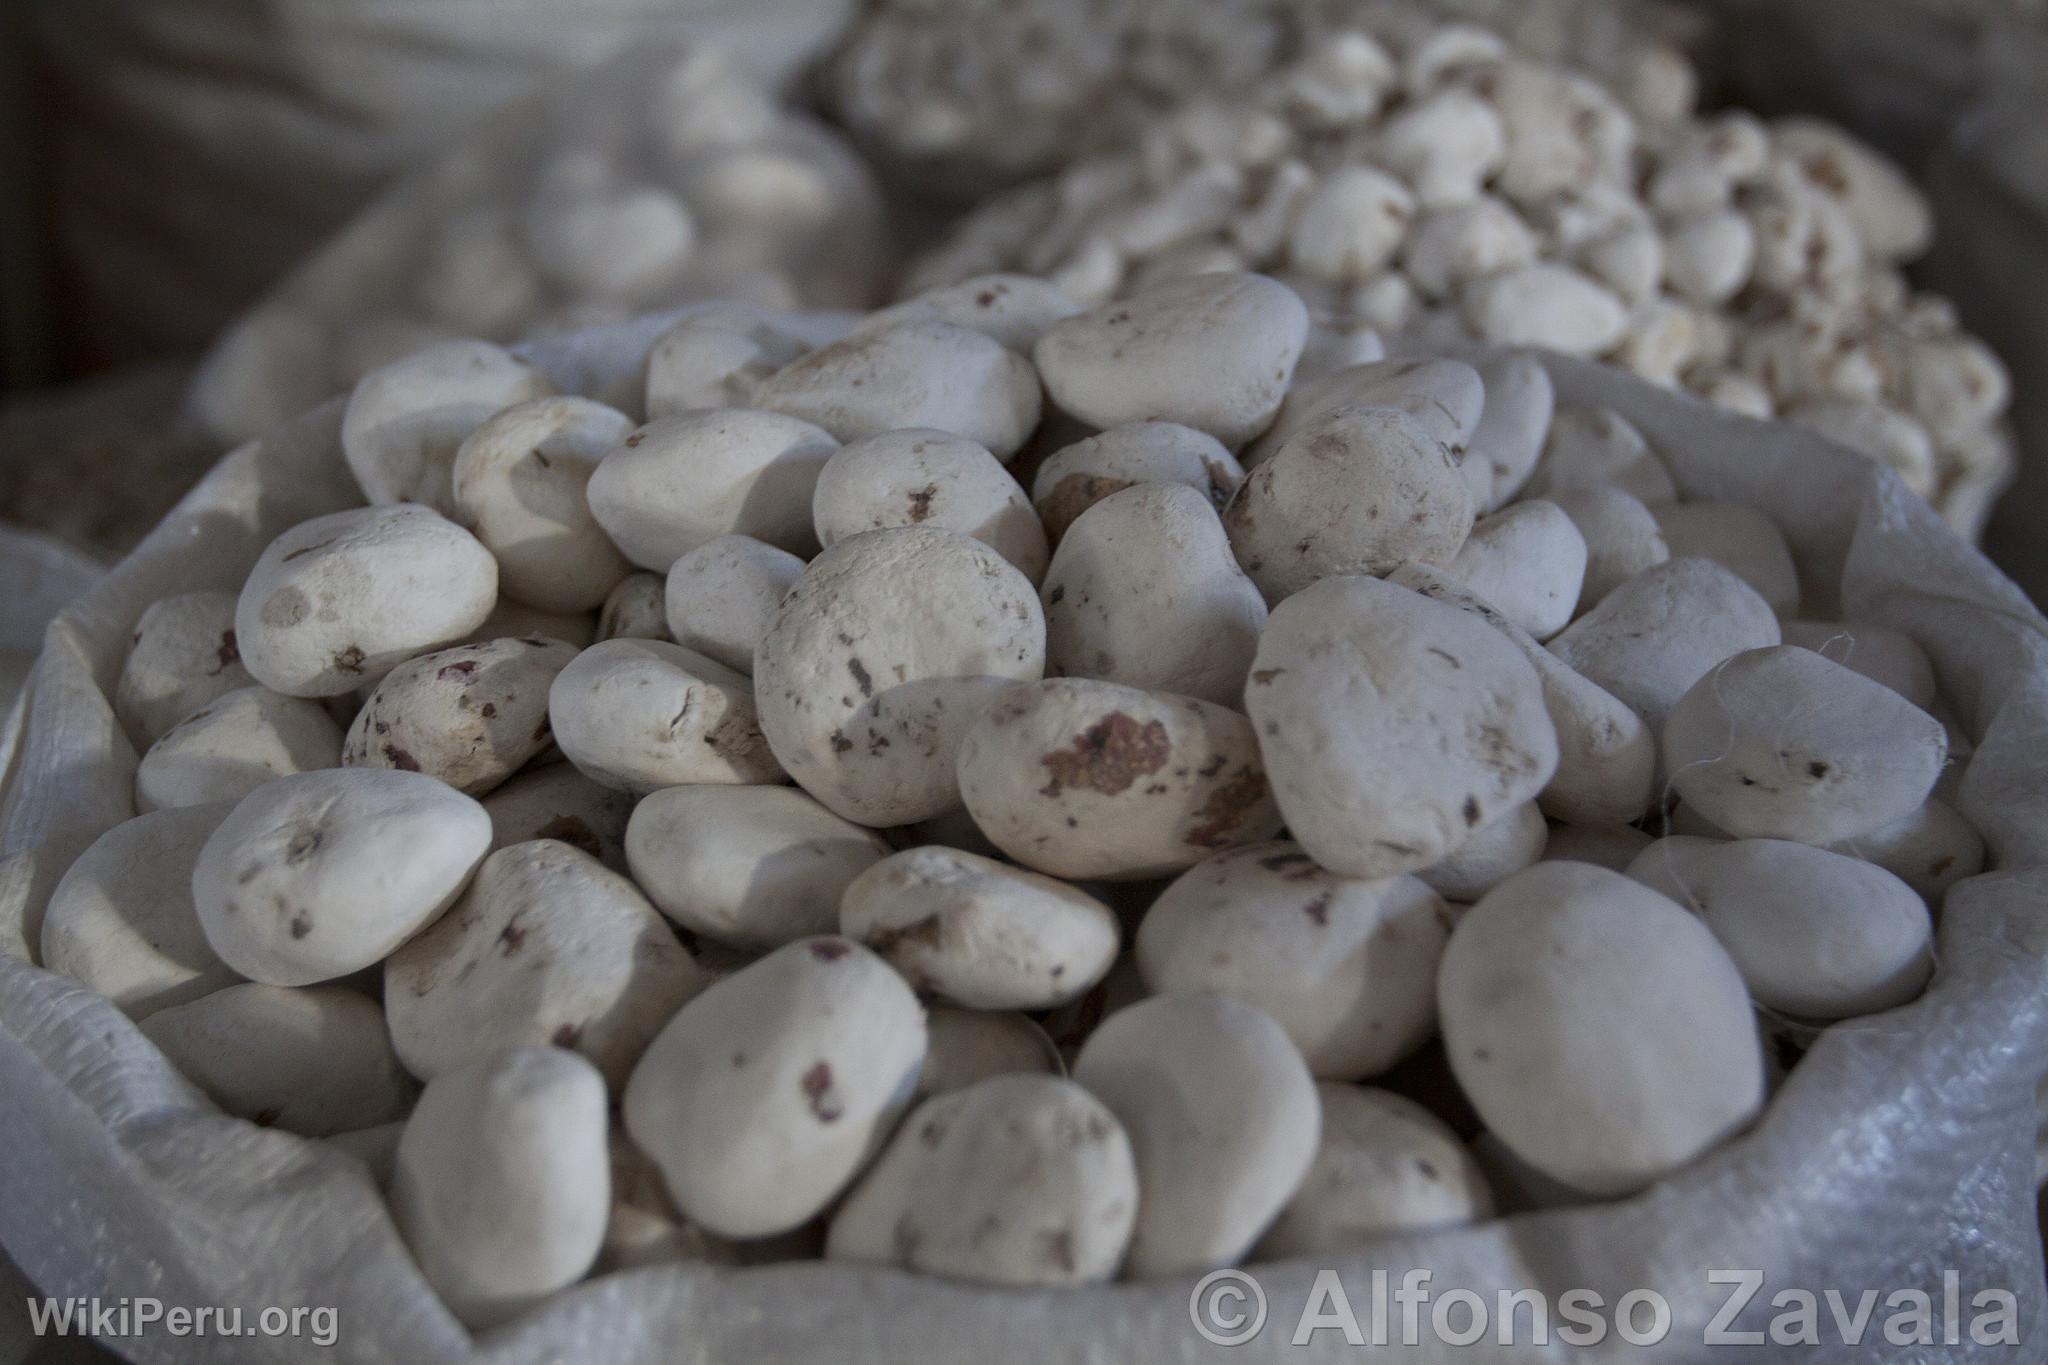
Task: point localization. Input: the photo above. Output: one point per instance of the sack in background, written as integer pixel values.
(201, 147)
(664, 176)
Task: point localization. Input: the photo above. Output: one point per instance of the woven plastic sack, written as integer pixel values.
(1899, 1149)
(42, 576)
(665, 175)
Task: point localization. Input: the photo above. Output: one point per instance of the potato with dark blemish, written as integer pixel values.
(922, 477)
(557, 802)
(471, 716)
(313, 1061)
(232, 745)
(320, 874)
(644, 714)
(766, 1094)
(339, 601)
(749, 867)
(546, 947)
(1144, 590)
(1386, 717)
(183, 655)
(1076, 477)
(519, 488)
(882, 656)
(980, 933)
(1081, 778)
(1346, 966)
(1017, 1180)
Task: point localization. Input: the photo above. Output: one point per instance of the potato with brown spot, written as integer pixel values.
(337, 602)
(1082, 778)
(1076, 477)
(321, 874)
(765, 1095)
(471, 716)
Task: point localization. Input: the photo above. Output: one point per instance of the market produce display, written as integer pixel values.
(1249, 723)
(1247, 749)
